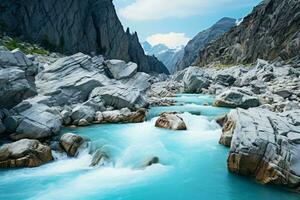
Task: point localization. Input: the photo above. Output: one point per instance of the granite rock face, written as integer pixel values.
(16, 78)
(94, 25)
(33, 120)
(202, 39)
(270, 31)
(71, 79)
(24, 153)
(264, 145)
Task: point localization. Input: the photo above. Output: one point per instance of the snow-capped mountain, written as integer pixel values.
(166, 55)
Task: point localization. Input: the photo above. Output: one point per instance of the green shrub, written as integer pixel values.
(26, 48)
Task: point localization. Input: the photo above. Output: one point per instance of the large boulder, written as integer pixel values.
(24, 153)
(164, 89)
(66, 116)
(120, 70)
(71, 143)
(120, 96)
(71, 79)
(82, 112)
(17, 59)
(195, 80)
(224, 79)
(140, 80)
(33, 120)
(170, 121)
(237, 97)
(16, 78)
(265, 145)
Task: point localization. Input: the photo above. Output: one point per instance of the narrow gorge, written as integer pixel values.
(85, 113)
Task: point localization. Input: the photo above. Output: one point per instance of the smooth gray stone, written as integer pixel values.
(237, 97)
(120, 96)
(195, 80)
(120, 69)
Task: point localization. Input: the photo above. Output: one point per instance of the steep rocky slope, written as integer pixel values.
(270, 31)
(203, 38)
(71, 26)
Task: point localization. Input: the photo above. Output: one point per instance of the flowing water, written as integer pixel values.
(192, 164)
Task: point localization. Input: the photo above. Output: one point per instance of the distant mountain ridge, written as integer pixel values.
(166, 55)
(71, 26)
(203, 38)
(270, 31)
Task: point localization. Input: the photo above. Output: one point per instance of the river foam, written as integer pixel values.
(192, 165)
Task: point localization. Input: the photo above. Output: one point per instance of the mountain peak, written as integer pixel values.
(258, 36)
(94, 26)
(202, 39)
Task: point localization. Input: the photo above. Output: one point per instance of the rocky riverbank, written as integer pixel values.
(43, 93)
(263, 128)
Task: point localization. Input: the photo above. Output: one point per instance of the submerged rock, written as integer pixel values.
(24, 153)
(71, 143)
(237, 97)
(170, 121)
(100, 158)
(149, 162)
(264, 145)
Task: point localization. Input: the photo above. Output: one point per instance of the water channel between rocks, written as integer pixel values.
(192, 163)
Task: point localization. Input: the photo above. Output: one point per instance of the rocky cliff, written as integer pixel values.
(203, 38)
(270, 31)
(72, 26)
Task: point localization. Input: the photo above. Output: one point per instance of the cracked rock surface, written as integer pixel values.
(264, 145)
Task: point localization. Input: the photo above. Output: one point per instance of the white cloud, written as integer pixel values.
(171, 40)
(160, 9)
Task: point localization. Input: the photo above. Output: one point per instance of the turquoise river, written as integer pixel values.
(192, 164)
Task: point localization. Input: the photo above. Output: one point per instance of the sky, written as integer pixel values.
(175, 22)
